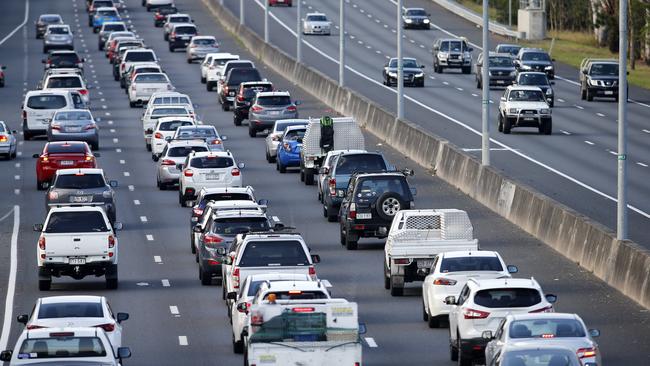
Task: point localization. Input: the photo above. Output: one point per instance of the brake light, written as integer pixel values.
(402, 261)
(215, 142)
(546, 309)
(83, 91)
(444, 282)
(235, 172)
(90, 158)
(109, 327)
(122, 66)
(235, 277)
(41, 242)
(475, 314)
(212, 239)
(291, 108)
(257, 318)
(353, 211)
(312, 272)
(111, 241)
(586, 352)
(167, 162)
(257, 109)
(53, 195)
(332, 186)
(3, 138)
(303, 310)
(240, 98)
(188, 173)
(35, 327)
(44, 159)
(158, 135)
(56, 127)
(89, 127)
(197, 211)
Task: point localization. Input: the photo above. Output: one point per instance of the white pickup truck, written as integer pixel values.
(77, 241)
(416, 236)
(309, 333)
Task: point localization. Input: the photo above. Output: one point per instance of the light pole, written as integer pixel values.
(400, 63)
(342, 43)
(266, 21)
(621, 209)
(299, 32)
(485, 99)
(241, 12)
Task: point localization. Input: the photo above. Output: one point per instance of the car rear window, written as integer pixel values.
(173, 125)
(189, 133)
(182, 151)
(508, 298)
(58, 30)
(64, 58)
(76, 222)
(239, 65)
(250, 91)
(297, 295)
(114, 27)
(50, 19)
(46, 102)
(140, 56)
(466, 264)
(185, 30)
(79, 181)
(275, 100)
(159, 112)
(211, 162)
(102, 3)
(167, 10)
(238, 225)
(72, 116)
(141, 70)
(273, 253)
(205, 42)
(171, 100)
(150, 78)
(67, 346)
(295, 135)
(238, 76)
(64, 82)
(348, 164)
(534, 356)
(281, 126)
(71, 310)
(222, 61)
(546, 328)
(107, 13)
(227, 197)
(179, 19)
(67, 148)
(501, 62)
(371, 188)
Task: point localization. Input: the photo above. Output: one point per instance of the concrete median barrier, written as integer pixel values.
(624, 265)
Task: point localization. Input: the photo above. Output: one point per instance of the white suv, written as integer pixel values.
(524, 106)
(481, 306)
(215, 69)
(207, 170)
(449, 274)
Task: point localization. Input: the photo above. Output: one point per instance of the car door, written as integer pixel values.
(496, 343)
(118, 326)
(454, 312)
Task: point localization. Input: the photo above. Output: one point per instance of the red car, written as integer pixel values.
(62, 155)
(280, 2)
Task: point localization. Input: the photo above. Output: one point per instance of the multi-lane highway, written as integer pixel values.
(576, 165)
(176, 321)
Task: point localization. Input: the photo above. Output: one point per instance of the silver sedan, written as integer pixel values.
(7, 141)
(200, 46)
(74, 125)
(58, 36)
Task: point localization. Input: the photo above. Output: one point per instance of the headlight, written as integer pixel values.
(392, 74)
(593, 82)
(525, 67)
(408, 21)
(419, 75)
(426, 21)
(548, 68)
(545, 111)
(513, 73)
(512, 111)
(549, 91)
(443, 55)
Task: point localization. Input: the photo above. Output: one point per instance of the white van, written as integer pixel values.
(39, 107)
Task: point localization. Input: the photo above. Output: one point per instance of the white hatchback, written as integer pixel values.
(207, 170)
(145, 84)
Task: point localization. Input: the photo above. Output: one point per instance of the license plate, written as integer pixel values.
(151, 90)
(66, 162)
(500, 81)
(74, 129)
(274, 113)
(79, 199)
(364, 216)
(609, 92)
(212, 176)
(427, 263)
(77, 261)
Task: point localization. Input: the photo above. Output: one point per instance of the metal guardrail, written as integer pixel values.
(475, 18)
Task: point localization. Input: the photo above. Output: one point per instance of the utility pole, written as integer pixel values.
(299, 32)
(400, 63)
(241, 12)
(621, 209)
(266, 21)
(485, 99)
(509, 13)
(342, 43)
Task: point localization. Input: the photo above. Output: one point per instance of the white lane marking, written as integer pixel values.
(20, 143)
(600, 114)
(612, 152)
(115, 140)
(589, 143)
(108, 113)
(122, 162)
(118, 150)
(371, 342)
(11, 282)
(565, 132)
(136, 202)
(102, 100)
(560, 100)
(580, 107)
(643, 165)
(149, 237)
(182, 341)
(646, 131)
(131, 188)
(165, 282)
(110, 122)
(127, 174)
(459, 89)
(143, 218)
(445, 82)
(474, 95)
(491, 149)
(378, 52)
(17, 177)
(17, 192)
(20, 153)
(453, 120)
(422, 46)
(157, 259)
(103, 107)
(174, 310)
(14, 32)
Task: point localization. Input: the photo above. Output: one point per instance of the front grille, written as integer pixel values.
(528, 112)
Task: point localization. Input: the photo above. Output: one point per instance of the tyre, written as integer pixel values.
(309, 177)
(192, 247)
(252, 132)
(205, 277)
(388, 204)
(44, 284)
(386, 278)
(268, 157)
(148, 8)
(181, 200)
(95, 29)
(433, 321)
(111, 283)
(507, 125)
(224, 106)
(331, 214)
(94, 146)
(171, 48)
(467, 70)
(237, 121)
(395, 291)
(425, 316)
(100, 47)
(203, 80)
(453, 352)
(548, 127)
(302, 173)
(583, 95)
(189, 61)
(132, 104)
(351, 242)
(40, 185)
(148, 147)
(208, 86)
(342, 236)
(590, 96)
(463, 360)
(281, 168)
(500, 123)
(27, 135)
(44, 49)
(237, 346)
(116, 77)
(111, 277)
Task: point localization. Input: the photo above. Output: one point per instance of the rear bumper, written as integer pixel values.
(75, 271)
(179, 43)
(367, 229)
(473, 348)
(289, 159)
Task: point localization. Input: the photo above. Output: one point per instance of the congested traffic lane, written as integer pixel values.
(153, 331)
(577, 165)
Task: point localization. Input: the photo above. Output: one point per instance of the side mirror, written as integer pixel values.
(197, 229)
(113, 183)
(594, 332)
(4, 67)
(422, 66)
(22, 318)
(242, 307)
(470, 49)
(155, 157)
(487, 335)
(263, 202)
(38, 227)
(231, 295)
(5, 355)
(97, 155)
(315, 258)
(117, 226)
(512, 269)
(226, 260)
(278, 226)
(83, 59)
(551, 298)
(122, 317)
(297, 102)
(36, 156)
(123, 352)
(324, 170)
(221, 251)
(436, 48)
(552, 82)
(224, 138)
(414, 192)
(584, 72)
(450, 300)
(168, 138)
(241, 165)
(408, 172)
(362, 328)
(553, 59)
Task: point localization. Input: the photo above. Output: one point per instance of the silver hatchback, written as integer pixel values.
(74, 125)
(174, 153)
(268, 107)
(200, 46)
(58, 36)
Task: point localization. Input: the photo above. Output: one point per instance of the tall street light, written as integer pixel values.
(485, 99)
(299, 32)
(400, 63)
(621, 209)
(342, 43)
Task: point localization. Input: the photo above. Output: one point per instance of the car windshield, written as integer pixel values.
(501, 62)
(416, 12)
(160, 112)
(238, 225)
(101, 3)
(526, 96)
(451, 46)
(183, 151)
(295, 135)
(351, 163)
(372, 188)
(50, 19)
(238, 76)
(507, 297)
(114, 27)
(72, 116)
(540, 357)
(71, 310)
(546, 328)
(604, 70)
(2, 128)
(281, 126)
(513, 50)
(317, 18)
(171, 100)
(533, 79)
(407, 63)
(205, 42)
(173, 125)
(62, 345)
(274, 253)
(180, 19)
(189, 133)
(535, 56)
(67, 148)
(64, 82)
(107, 13)
(274, 100)
(76, 222)
(212, 162)
(140, 56)
(58, 30)
(185, 30)
(79, 181)
(470, 264)
(141, 70)
(64, 59)
(151, 78)
(46, 102)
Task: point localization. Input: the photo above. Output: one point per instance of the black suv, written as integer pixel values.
(370, 204)
(535, 59)
(181, 35)
(234, 77)
(245, 96)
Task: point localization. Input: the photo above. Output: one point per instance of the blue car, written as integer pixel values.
(289, 148)
(105, 14)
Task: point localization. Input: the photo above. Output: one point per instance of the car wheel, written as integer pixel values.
(181, 201)
(44, 49)
(171, 48)
(507, 125)
(478, 83)
(148, 147)
(467, 70)
(500, 123)
(94, 146)
(351, 242)
(583, 95)
(332, 216)
(342, 236)
(189, 61)
(302, 173)
(388, 204)
(224, 106)
(433, 321)
(40, 185)
(590, 96)
(205, 277)
(111, 277)
(548, 127)
(309, 177)
(425, 315)
(453, 352)
(237, 346)
(395, 291)
(236, 120)
(281, 168)
(132, 104)
(208, 86)
(463, 360)
(44, 284)
(386, 278)
(203, 80)
(252, 132)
